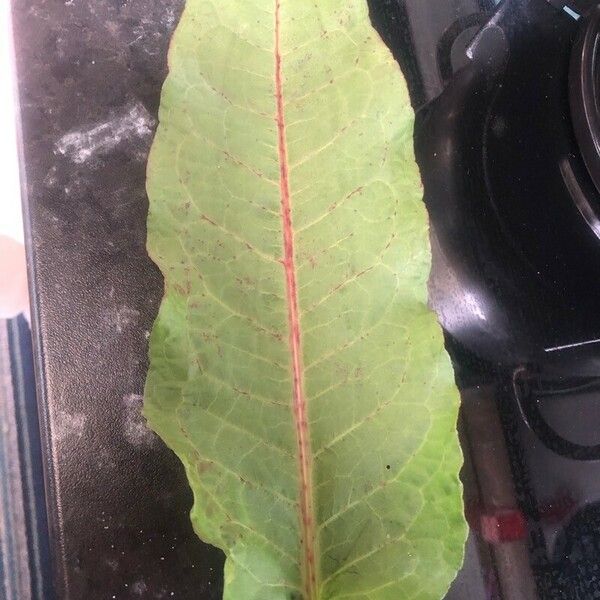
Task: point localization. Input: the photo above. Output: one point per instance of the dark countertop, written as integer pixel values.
(90, 75)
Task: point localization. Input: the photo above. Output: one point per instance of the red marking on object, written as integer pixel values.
(299, 400)
(502, 526)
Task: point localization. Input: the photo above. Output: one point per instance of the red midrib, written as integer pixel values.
(299, 400)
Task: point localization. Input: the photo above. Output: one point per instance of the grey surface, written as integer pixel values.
(469, 583)
(90, 74)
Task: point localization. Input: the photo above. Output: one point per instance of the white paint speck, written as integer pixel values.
(169, 17)
(132, 122)
(135, 429)
(112, 564)
(124, 317)
(50, 180)
(70, 424)
(139, 587)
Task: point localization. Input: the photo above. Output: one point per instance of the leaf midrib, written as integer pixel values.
(307, 520)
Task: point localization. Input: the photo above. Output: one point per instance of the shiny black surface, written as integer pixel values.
(511, 201)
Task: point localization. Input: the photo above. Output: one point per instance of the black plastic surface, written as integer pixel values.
(511, 201)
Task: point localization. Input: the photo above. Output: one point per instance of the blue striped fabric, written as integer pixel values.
(25, 572)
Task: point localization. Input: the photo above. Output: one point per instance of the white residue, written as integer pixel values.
(134, 425)
(133, 122)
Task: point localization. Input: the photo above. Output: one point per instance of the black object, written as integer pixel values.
(528, 390)
(510, 157)
(510, 190)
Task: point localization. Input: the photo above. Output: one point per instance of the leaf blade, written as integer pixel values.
(221, 385)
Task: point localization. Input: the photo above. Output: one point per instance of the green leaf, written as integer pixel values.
(295, 367)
